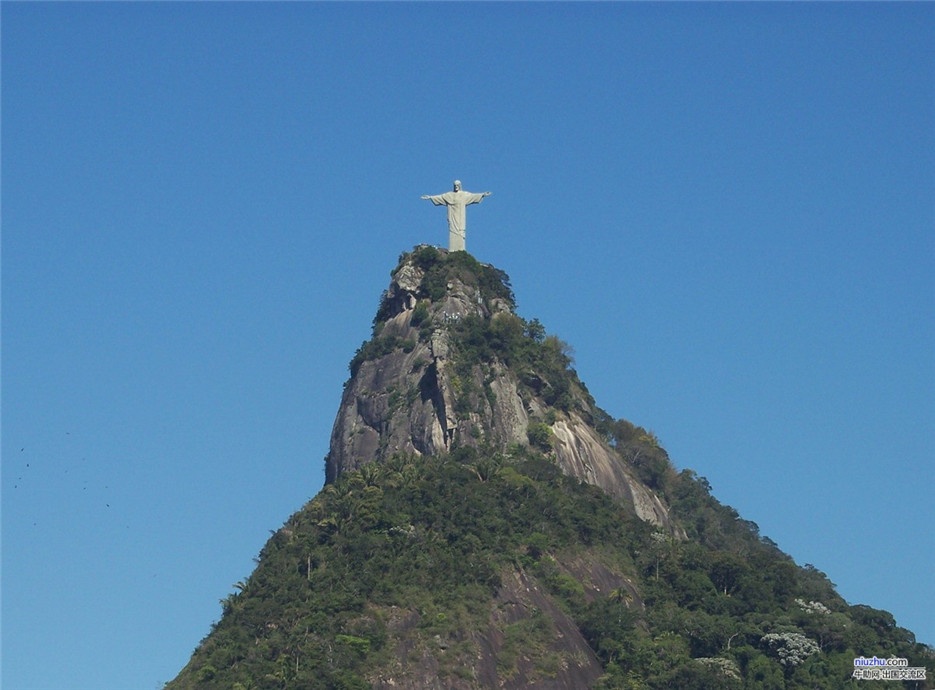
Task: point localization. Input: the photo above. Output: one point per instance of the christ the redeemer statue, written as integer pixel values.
(456, 201)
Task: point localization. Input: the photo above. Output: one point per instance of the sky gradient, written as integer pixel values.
(726, 209)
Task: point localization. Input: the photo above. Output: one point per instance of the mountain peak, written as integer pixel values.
(454, 283)
(451, 368)
(461, 543)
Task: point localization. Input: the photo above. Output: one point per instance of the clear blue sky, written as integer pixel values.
(727, 209)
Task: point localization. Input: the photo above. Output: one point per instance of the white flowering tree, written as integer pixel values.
(791, 648)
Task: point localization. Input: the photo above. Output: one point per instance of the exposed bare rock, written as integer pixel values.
(409, 393)
(580, 452)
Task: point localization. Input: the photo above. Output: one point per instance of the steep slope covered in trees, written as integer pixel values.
(486, 525)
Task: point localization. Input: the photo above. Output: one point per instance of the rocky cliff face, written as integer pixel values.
(452, 367)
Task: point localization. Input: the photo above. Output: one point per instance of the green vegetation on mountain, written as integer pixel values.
(408, 558)
(485, 565)
(439, 269)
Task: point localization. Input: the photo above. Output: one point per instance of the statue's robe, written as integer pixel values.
(457, 218)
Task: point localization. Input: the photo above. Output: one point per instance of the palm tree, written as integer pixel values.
(621, 595)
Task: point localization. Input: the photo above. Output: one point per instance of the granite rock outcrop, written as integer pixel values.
(413, 389)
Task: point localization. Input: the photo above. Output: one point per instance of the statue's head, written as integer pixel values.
(457, 185)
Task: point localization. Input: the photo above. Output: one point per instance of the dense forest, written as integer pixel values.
(436, 536)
